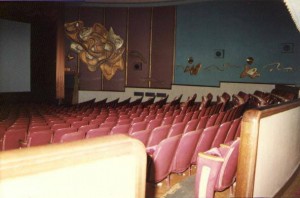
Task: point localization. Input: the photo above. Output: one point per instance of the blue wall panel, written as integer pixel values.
(242, 29)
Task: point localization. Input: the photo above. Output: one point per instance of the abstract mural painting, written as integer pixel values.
(97, 47)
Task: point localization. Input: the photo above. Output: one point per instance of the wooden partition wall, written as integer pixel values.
(112, 166)
(269, 150)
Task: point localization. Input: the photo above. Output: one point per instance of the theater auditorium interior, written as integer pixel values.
(150, 98)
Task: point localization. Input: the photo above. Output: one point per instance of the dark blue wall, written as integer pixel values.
(242, 29)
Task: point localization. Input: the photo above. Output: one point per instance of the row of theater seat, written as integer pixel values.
(176, 154)
(55, 119)
(108, 124)
(182, 130)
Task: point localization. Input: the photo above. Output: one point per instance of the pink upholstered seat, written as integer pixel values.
(195, 114)
(216, 169)
(158, 134)
(178, 118)
(160, 115)
(86, 128)
(60, 132)
(202, 122)
(124, 121)
(185, 151)
(187, 117)
(38, 138)
(232, 130)
(221, 134)
(154, 123)
(238, 131)
(97, 121)
(176, 129)
(70, 137)
(59, 126)
(77, 124)
(138, 119)
(97, 132)
(161, 158)
(12, 138)
(138, 126)
(205, 141)
(71, 120)
(167, 120)
(227, 115)
(38, 128)
(191, 125)
(211, 121)
(108, 124)
(143, 136)
(150, 117)
(120, 129)
(220, 118)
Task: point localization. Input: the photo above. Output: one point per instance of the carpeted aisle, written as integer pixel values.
(184, 189)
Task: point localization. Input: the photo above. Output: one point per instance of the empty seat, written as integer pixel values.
(98, 132)
(211, 121)
(176, 129)
(191, 125)
(38, 138)
(72, 119)
(202, 122)
(187, 117)
(111, 119)
(108, 124)
(98, 121)
(86, 128)
(221, 134)
(70, 137)
(138, 126)
(178, 118)
(124, 121)
(12, 139)
(143, 136)
(158, 134)
(160, 159)
(167, 120)
(38, 128)
(60, 132)
(138, 119)
(185, 151)
(120, 129)
(238, 131)
(59, 126)
(220, 118)
(232, 130)
(204, 143)
(77, 124)
(216, 169)
(154, 123)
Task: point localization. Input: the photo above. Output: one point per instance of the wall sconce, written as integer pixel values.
(190, 60)
(219, 53)
(287, 47)
(138, 66)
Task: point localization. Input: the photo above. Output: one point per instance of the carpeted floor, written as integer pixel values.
(184, 189)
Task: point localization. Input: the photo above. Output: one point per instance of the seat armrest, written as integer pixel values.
(150, 150)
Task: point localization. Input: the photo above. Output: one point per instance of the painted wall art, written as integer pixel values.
(97, 47)
(231, 43)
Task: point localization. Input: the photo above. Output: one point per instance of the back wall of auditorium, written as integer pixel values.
(120, 51)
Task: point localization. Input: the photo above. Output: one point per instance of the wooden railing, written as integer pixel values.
(269, 150)
(112, 166)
